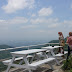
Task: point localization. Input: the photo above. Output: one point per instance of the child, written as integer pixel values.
(61, 42)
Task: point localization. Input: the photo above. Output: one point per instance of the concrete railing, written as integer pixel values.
(27, 46)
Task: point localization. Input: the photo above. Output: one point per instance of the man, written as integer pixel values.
(69, 42)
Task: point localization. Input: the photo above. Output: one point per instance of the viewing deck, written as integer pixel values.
(42, 68)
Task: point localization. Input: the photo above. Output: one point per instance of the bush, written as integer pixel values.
(70, 70)
(68, 64)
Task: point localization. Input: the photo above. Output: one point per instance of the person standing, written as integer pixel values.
(61, 42)
(69, 42)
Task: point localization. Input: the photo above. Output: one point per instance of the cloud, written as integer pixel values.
(14, 5)
(37, 21)
(33, 15)
(67, 23)
(32, 23)
(16, 20)
(44, 21)
(2, 20)
(28, 26)
(53, 25)
(50, 22)
(45, 11)
(45, 31)
(71, 6)
(41, 31)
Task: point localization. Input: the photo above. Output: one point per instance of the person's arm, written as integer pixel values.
(68, 40)
(71, 38)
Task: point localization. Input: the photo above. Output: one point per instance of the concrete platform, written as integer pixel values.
(43, 68)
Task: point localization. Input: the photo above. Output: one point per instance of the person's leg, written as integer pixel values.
(63, 50)
(68, 52)
(59, 49)
(68, 55)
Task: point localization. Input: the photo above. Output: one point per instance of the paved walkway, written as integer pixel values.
(43, 68)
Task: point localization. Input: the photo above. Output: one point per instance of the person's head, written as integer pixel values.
(59, 33)
(70, 33)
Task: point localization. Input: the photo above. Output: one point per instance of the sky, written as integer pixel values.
(34, 19)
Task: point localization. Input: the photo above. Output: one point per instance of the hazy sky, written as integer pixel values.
(34, 19)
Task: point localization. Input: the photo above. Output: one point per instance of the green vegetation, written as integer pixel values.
(67, 67)
(3, 55)
(5, 46)
(2, 67)
(57, 41)
(54, 41)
